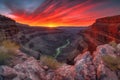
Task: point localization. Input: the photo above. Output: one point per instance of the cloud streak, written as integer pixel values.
(61, 12)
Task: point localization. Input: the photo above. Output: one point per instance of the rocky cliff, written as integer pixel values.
(109, 20)
(109, 27)
(8, 28)
(103, 31)
(6, 21)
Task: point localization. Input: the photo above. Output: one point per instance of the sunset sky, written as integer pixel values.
(54, 13)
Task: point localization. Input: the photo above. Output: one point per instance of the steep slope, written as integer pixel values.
(104, 30)
(8, 28)
(110, 26)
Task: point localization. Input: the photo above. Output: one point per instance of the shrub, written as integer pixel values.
(3, 55)
(7, 51)
(113, 44)
(51, 62)
(112, 62)
(11, 46)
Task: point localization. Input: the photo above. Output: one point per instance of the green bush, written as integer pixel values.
(112, 62)
(51, 62)
(7, 51)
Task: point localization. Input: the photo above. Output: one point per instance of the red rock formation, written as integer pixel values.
(103, 31)
(108, 27)
(109, 20)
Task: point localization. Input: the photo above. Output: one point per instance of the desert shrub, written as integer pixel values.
(51, 62)
(3, 55)
(112, 62)
(7, 51)
(11, 46)
(113, 44)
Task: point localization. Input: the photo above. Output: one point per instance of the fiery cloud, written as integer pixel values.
(62, 12)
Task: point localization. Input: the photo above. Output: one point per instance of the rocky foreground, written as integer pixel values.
(86, 67)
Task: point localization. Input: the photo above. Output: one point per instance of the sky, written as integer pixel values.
(53, 13)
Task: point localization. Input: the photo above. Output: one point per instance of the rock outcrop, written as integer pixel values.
(103, 31)
(109, 20)
(109, 27)
(8, 28)
(4, 21)
(86, 67)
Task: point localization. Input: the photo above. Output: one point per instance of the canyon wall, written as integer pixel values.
(103, 31)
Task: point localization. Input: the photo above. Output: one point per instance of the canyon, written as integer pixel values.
(81, 50)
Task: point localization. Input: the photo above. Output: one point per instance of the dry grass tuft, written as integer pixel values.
(112, 62)
(51, 62)
(113, 44)
(7, 51)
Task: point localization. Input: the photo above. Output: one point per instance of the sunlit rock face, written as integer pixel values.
(108, 26)
(103, 31)
(109, 20)
(8, 28)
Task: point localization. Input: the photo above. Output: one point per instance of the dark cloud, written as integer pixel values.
(18, 6)
(38, 6)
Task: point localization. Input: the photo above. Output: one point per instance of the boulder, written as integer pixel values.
(7, 72)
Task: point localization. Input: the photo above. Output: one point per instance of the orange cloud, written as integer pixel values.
(54, 13)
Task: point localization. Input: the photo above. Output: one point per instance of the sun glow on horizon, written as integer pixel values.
(56, 13)
(52, 25)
